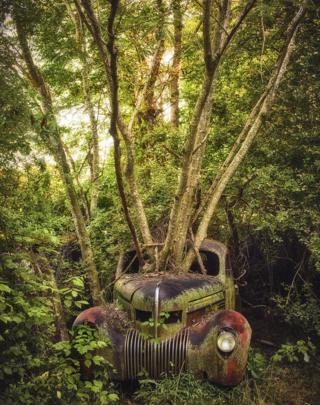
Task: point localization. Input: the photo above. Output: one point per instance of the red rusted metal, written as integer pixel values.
(94, 316)
(225, 369)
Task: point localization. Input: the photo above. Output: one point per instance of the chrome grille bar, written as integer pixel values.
(168, 356)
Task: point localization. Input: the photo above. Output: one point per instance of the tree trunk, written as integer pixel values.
(196, 138)
(113, 126)
(50, 133)
(82, 194)
(176, 63)
(187, 203)
(41, 266)
(94, 142)
(151, 108)
(211, 47)
(89, 18)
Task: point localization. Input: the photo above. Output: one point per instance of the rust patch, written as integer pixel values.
(223, 319)
(109, 314)
(93, 315)
(204, 356)
(194, 317)
(234, 373)
(232, 319)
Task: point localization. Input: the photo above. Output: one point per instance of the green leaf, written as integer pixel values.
(98, 360)
(113, 397)
(78, 282)
(87, 363)
(7, 370)
(5, 288)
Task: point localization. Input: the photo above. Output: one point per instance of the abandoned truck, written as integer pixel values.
(165, 323)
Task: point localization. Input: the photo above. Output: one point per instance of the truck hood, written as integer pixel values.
(175, 291)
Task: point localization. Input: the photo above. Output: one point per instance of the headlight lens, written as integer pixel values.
(226, 341)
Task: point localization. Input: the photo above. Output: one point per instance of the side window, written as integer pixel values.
(211, 263)
(129, 262)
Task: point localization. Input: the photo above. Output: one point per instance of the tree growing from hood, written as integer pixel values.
(221, 22)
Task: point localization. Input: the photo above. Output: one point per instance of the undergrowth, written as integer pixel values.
(266, 383)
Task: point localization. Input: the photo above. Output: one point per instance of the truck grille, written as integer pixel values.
(168, 356)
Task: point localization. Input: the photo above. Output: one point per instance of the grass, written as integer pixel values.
(270, 384)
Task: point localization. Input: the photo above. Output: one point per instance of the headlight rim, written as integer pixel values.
(231, 333)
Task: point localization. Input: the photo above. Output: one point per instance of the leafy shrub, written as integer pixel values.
(61, 381)
(26, 321)
(33, 368)
(257, 363)
(301, 310)
(295, 352)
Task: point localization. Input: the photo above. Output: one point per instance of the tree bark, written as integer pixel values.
(113, 126)
(176, 63)
(50, 133)
(81, 193)
(211, 47)
(94, 144)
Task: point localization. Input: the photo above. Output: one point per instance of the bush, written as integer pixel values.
(300, 309)
(33, 368)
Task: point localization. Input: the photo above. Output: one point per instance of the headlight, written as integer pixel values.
(226, 341)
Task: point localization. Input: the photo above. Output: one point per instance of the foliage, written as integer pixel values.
(38, 370)
(257, 363)
(301, 310)
(73, 293)
(269, 384)
(184, 389)
(25, 312)
(301, 350)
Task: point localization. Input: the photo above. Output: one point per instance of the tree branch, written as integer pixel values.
(54, 143)
(113, 126)
(127, 136)
(248, 134)
(206, 31)
(176, 63)
(201, 114)
(235, 28)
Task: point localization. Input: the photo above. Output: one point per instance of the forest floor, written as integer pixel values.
(284, 383)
